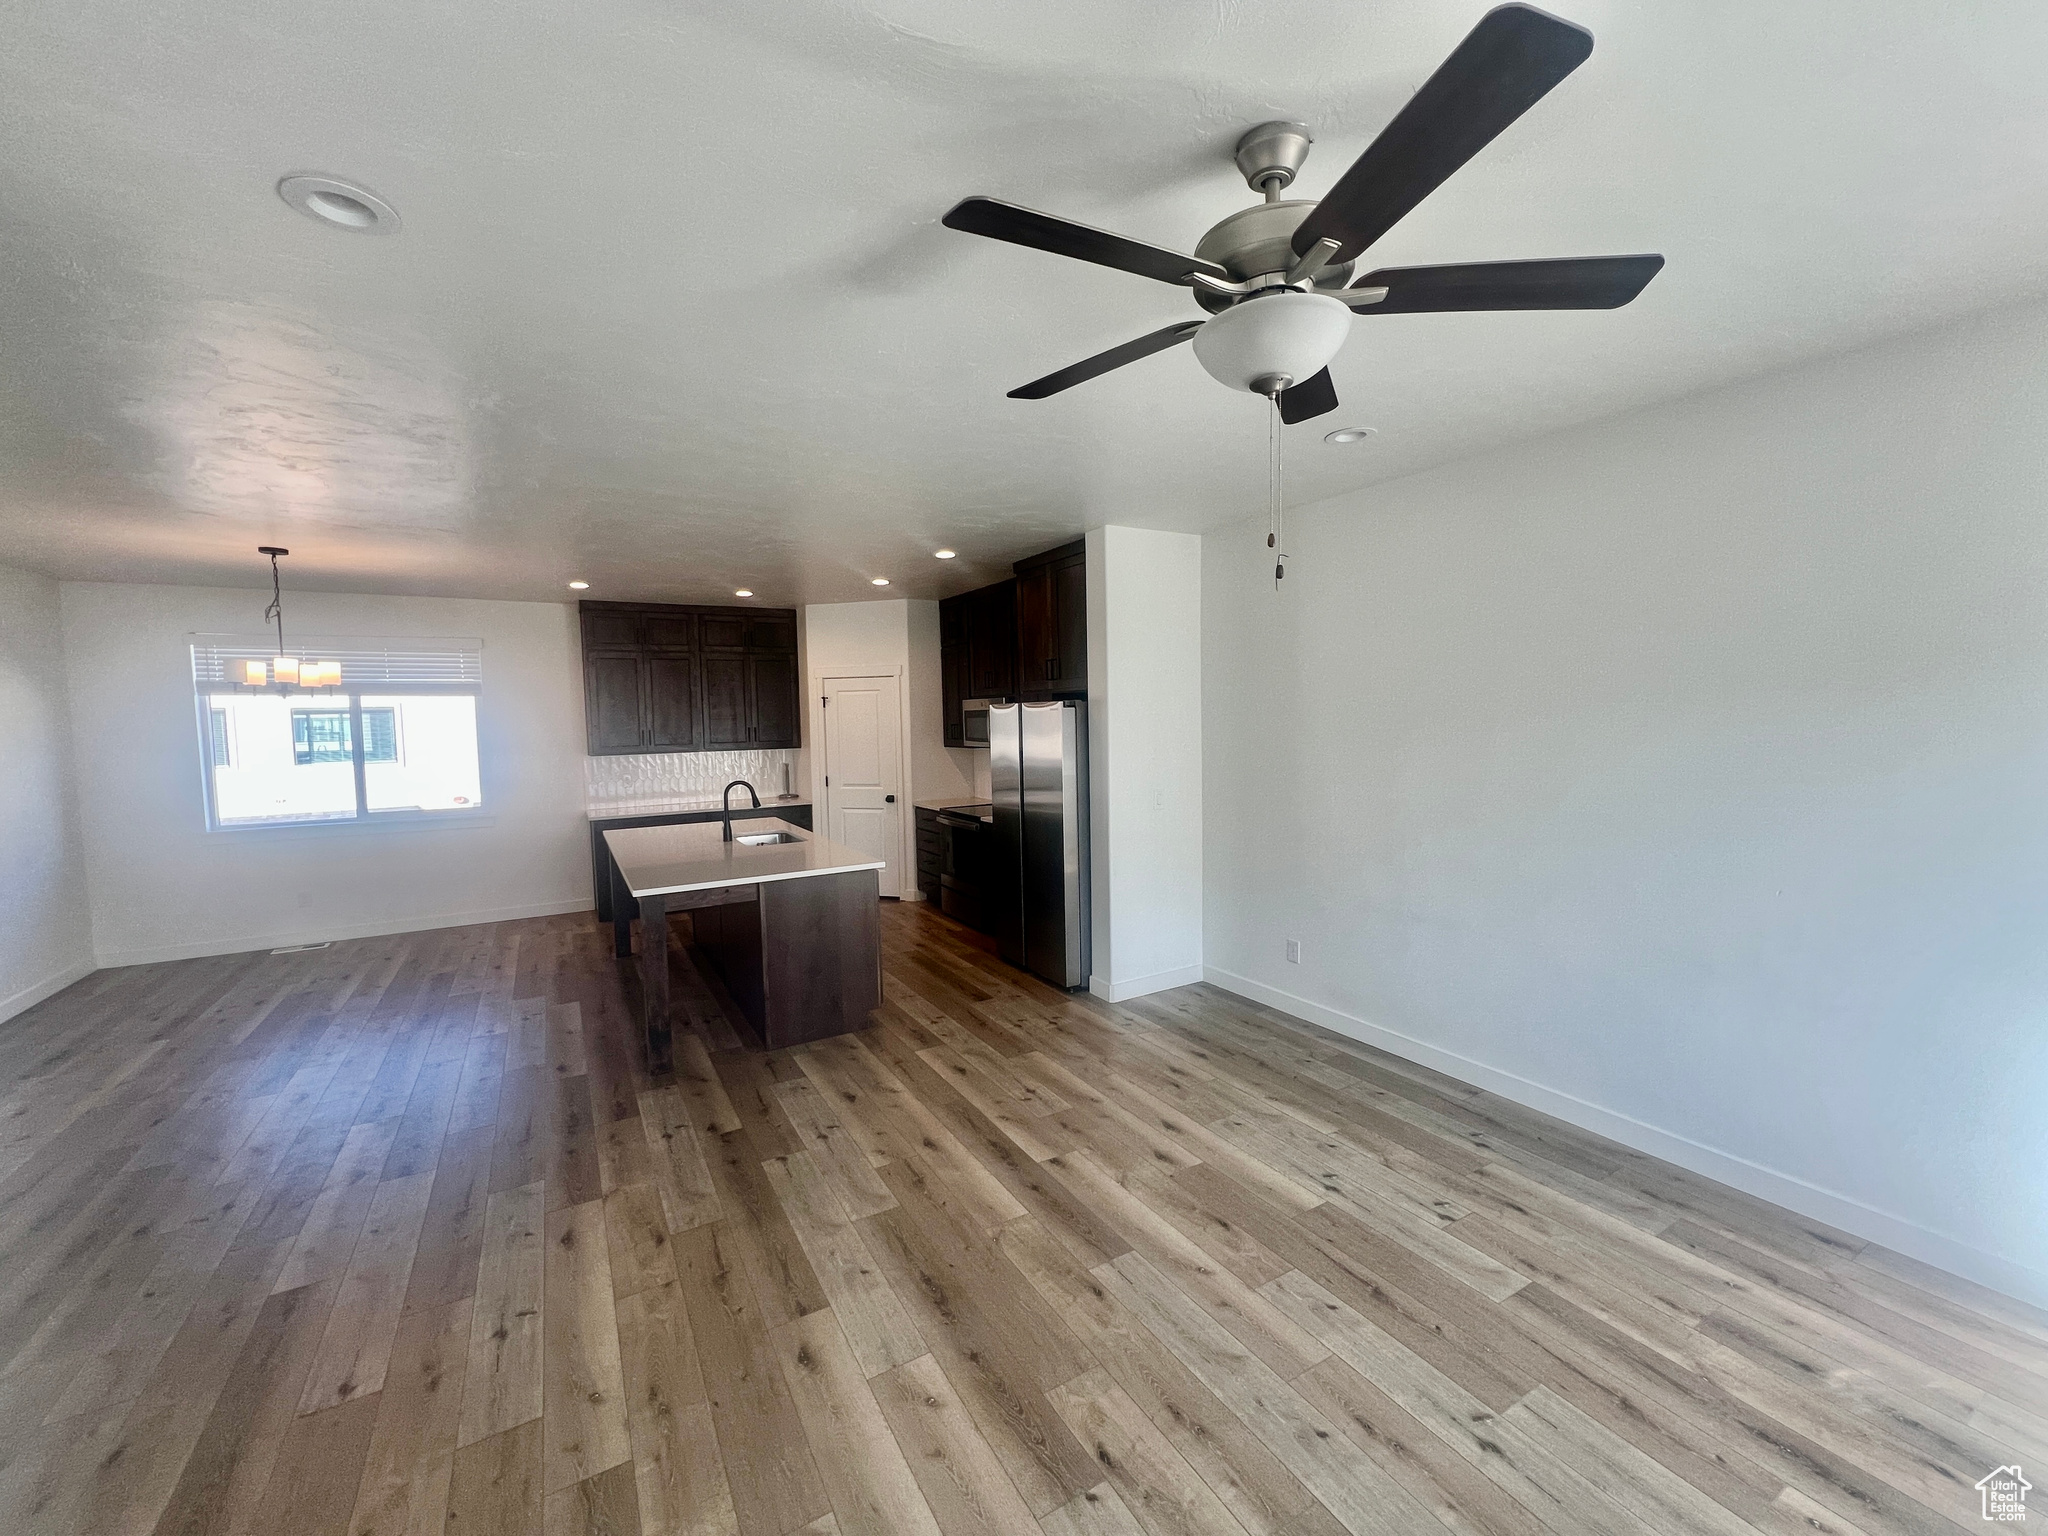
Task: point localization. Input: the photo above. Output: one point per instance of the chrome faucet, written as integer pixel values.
(726, 800)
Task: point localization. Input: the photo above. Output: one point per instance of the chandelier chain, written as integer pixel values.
(276, 608)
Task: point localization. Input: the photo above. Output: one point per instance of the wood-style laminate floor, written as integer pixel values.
(396, 1237)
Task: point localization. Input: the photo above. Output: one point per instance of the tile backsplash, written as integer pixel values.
(652, 775)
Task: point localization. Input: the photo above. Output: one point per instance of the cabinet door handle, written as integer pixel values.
(1052, 666)
(891, 799)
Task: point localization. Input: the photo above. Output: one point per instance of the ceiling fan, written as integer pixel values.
(1274, 275)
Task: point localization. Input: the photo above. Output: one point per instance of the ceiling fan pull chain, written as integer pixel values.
(1272, 458)
(1273, 488)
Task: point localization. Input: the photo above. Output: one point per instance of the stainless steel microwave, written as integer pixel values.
(974, 720)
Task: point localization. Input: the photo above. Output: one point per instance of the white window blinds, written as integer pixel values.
(381, 664)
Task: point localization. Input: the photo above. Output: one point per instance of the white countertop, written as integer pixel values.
(673, 805)
(694, 856)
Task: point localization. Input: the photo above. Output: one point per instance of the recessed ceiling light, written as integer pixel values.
(579, 586)
(943, 554)
(341, 204)
(1348, 435)
(879, 581)
(743, 592)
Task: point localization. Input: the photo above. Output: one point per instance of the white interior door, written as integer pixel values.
(863, 782)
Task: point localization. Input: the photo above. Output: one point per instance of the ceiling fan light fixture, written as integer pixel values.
(1285, 336)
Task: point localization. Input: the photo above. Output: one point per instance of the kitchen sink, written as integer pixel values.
(761, 839)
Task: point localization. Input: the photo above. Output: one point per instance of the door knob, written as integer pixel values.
(891, 799)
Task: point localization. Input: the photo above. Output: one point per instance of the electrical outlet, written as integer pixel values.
(1294, 951)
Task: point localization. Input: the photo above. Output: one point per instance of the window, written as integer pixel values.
(401, 742)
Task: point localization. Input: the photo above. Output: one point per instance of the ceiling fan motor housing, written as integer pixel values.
(1256, 242)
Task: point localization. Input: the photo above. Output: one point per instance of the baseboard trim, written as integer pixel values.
(1795, 1194)
(49, 986)
(1141, 986)
(109, 958)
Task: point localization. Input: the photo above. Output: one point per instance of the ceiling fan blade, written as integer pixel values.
(1504, 66)
(1585, 282)
(1063, 237)
(1103, 362)
(1308, 399)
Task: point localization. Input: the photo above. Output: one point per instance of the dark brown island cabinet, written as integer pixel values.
(788, 920)
(663, 677)
(1021, 639)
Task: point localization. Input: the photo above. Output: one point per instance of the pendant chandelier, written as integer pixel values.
(284, 672)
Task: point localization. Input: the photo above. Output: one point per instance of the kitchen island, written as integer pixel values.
(789, 921)
(613, 904)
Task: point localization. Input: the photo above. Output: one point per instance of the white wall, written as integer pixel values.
(893, 638)
(45, 924)
(1145, 759)
(163, 887)
(1685, 776)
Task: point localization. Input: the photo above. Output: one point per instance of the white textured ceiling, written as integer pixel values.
(672, 310)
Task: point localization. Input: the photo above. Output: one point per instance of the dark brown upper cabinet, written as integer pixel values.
(1052, 623)
(977, 650)
(610, 629)
(614, 701)
(723, 631)
(726, 726)
(772, 698)
(671, 702)
(669, 631)
(992, 641)
(674, 678)
(955, 665)
(1020, 639)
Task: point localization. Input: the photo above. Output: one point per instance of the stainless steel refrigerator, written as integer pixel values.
(1038, 780)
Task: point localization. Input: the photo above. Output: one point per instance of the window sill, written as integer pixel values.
(391, 821)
